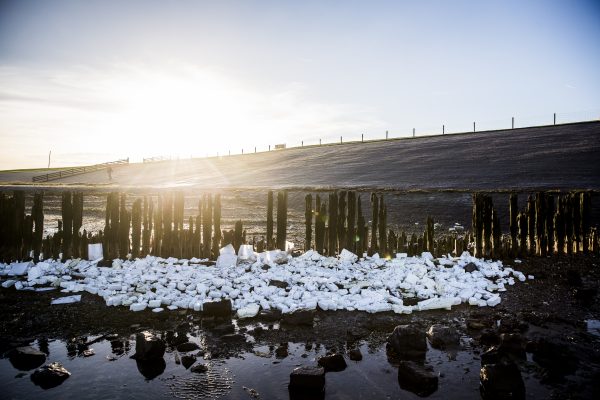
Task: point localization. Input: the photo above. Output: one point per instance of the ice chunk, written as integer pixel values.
(229, 249)
(154, 304)
(157, 309)
(227, 260)
(246, 253)
(8, 283)
(67, 300)
(137, 306)
(19, 269)
(95, 251)
(348, 256)
(34, 273)
(249, 311)
(437, 302)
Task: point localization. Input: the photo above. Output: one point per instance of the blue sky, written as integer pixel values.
(99, 80)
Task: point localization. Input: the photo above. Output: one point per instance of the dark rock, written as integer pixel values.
(26, 358)
(355, 355)
(416, 379)
(272, 314)
(489, 337)
(219, 309)
(442, 336)
(512, 344)
(307, 379)
(408, 341)
(279, 284)
(477, 325)
(104, 263)
(333, 362)
(189, 346)
(282, 351)
(188, 360)
(574, 278)
(50, 375)
(300, 317)
(492, 356)
(233, 338)
(585, 295)
(470, 267)
(199, 368)
(148, 346)
(556, 358)
(152, 368)
(501, 381)
(265, 267)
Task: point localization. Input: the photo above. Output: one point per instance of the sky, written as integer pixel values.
(94, 81)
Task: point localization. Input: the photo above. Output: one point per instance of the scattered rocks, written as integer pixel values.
(471, 267)
(26, 358)
(333, 363)
(282, 351)
(355, 355)
(407, 341)
(272, 314)
(148, 346)
(501, 381)
(219, 309)
(50, 375)
(442, 336)
(188, 360)
(307, 380)
(416, 379)
(199, 368)
(300, 317)
(512, 344)
(279, 284)
(189, 346)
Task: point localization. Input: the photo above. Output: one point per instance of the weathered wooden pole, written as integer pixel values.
(523, 230)
(361, 229)
(488, 208)
(531, 223)
(540, 223)
(351, 230)
(586, 215)
(37, 212)
(341, 220)
(207, 226)
(550, 222)
(319, 226)
(238, 236)
(429, 234)
(158, 228)
(496, 235)
(477, 223)
(514, 224)
(67, 218)
(382, 222)
(333, 224)
(308, 213)
(136, 228)
(270, 244)
(281, 219)
(576, 207)
(559, 226)
(124, 225)
(374, 224)
(569, 231)
(77, 222)
(147, 222)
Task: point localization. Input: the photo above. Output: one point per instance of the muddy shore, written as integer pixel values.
(253, 358)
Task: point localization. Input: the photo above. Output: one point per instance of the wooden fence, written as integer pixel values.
(77, 171)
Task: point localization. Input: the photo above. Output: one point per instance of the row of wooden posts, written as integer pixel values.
(542, 228)
(333, 222)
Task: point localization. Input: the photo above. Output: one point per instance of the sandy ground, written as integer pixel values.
(550, 157)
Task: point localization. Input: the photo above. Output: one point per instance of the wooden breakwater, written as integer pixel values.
(549, 224)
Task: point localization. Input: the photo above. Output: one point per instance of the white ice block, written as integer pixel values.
(95, 251)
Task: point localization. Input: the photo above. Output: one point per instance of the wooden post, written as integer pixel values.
(361, 231)
(281, 219)
(576, 207)
(77, 222)
(124, 225)
(540, 223)
(332, 226)
(586, 214)
(351, 231)
(513, 123)
(413, 132)
(308, 214)
(514, 225)
(67, 218)
(496, 235)
(523, 229)
(217, 225)
(477, 223)
(382, 222)
(207, 226)
(550, 222)
(136, 228)
(554, 118)
(474, 126)
(270, 245)
(238, 237)
(531, 223)
(341, 221)
(569, 232)
(374, 224)
(559, 226)
(443, 129)
(320, 219)
(38, 220)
